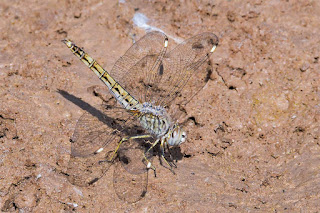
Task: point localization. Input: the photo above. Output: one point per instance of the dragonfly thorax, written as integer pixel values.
(154, 119)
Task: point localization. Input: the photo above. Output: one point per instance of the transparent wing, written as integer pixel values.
(130, 178)
(129, 187)
(96, 128)
(133, 67)
(194, 85)
(99, 126)
(86, 171)
(131, 155)
(180, 74)
(156, 77)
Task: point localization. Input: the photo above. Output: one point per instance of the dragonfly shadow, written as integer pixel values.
(102, 116)
(173, 155)
(176, 153)
(77, 101)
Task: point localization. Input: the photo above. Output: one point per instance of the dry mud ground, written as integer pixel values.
(253, 142)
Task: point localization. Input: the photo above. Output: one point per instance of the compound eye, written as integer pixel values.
(174, 134)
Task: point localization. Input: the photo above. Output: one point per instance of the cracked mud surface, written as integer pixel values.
(253, 130)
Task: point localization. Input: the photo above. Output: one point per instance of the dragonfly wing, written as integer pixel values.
(131, 155)
(97, 127)
(130, 178)
(183, 72)
(133, 69)
(129, 187)
(86, 171)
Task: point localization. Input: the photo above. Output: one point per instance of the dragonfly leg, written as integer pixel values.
(149, 165)
(163, 157)
(172, 161)
(126, 139)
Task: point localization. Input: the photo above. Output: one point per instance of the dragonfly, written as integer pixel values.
(149, 86)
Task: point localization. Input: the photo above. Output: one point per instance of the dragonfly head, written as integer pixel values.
(176, 136)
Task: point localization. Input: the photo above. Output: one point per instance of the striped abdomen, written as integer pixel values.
(115, 88)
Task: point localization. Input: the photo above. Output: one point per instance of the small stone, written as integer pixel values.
(231, 16)
(304, 67)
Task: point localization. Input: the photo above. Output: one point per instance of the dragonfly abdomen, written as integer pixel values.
(123, 97)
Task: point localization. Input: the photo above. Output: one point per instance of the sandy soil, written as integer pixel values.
(253, 130)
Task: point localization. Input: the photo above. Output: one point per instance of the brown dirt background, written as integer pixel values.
(253, 143)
